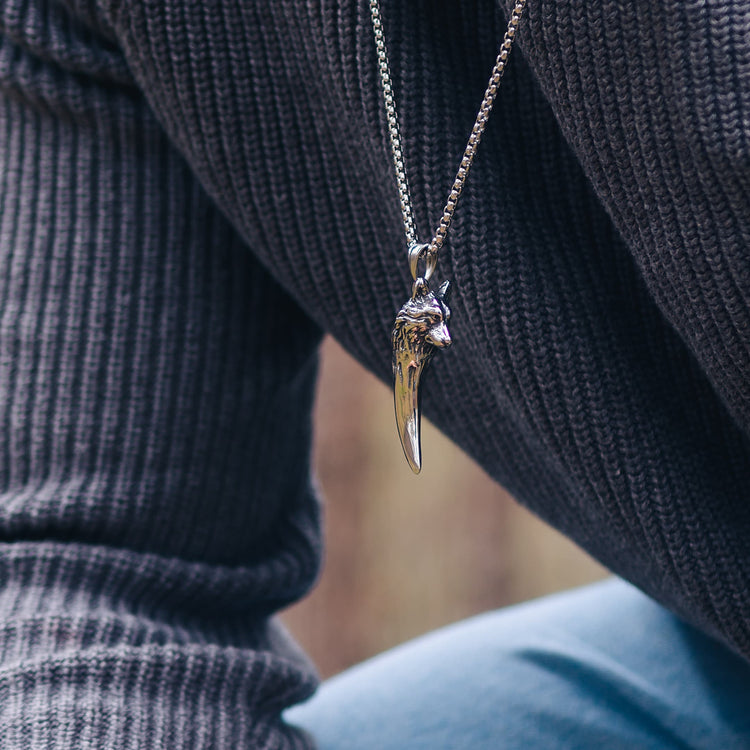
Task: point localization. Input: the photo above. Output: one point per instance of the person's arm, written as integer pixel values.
(155, 505)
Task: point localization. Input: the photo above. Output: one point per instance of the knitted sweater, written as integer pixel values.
(190, 192)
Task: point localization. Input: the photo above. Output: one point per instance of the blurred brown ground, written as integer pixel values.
(407, 554)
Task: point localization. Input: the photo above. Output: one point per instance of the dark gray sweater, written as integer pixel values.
(190, 191)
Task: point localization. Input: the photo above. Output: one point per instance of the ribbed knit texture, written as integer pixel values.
(156, 382)
(155, 505)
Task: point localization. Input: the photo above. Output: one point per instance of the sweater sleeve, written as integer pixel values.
(148, 527)
(600, 276)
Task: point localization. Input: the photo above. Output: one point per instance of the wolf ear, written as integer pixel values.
(443, 289)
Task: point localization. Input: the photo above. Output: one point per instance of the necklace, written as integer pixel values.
(421, 324)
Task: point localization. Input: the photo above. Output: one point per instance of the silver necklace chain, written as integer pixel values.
(429, 253)
(421, 324)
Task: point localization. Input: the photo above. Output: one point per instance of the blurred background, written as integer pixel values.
(406, 554)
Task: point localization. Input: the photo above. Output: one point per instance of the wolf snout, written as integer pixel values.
(439, 336)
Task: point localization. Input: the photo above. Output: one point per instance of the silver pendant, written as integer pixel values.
(421, 326)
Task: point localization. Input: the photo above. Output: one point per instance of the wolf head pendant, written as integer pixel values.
(421, 326)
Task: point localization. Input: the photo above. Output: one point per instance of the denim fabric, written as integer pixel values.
(599, 667)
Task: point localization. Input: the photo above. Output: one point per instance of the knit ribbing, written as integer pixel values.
(145, 409)
(156, 382)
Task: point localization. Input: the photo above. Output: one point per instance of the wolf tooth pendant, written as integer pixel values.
(421, 324)
(421, 327)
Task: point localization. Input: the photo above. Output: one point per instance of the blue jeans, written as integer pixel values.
(601, 667)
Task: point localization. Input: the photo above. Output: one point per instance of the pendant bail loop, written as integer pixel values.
(419, 252)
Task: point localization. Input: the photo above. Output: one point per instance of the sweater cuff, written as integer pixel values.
(81, 669)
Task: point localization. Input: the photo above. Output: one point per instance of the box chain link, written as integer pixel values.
(428, 253)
